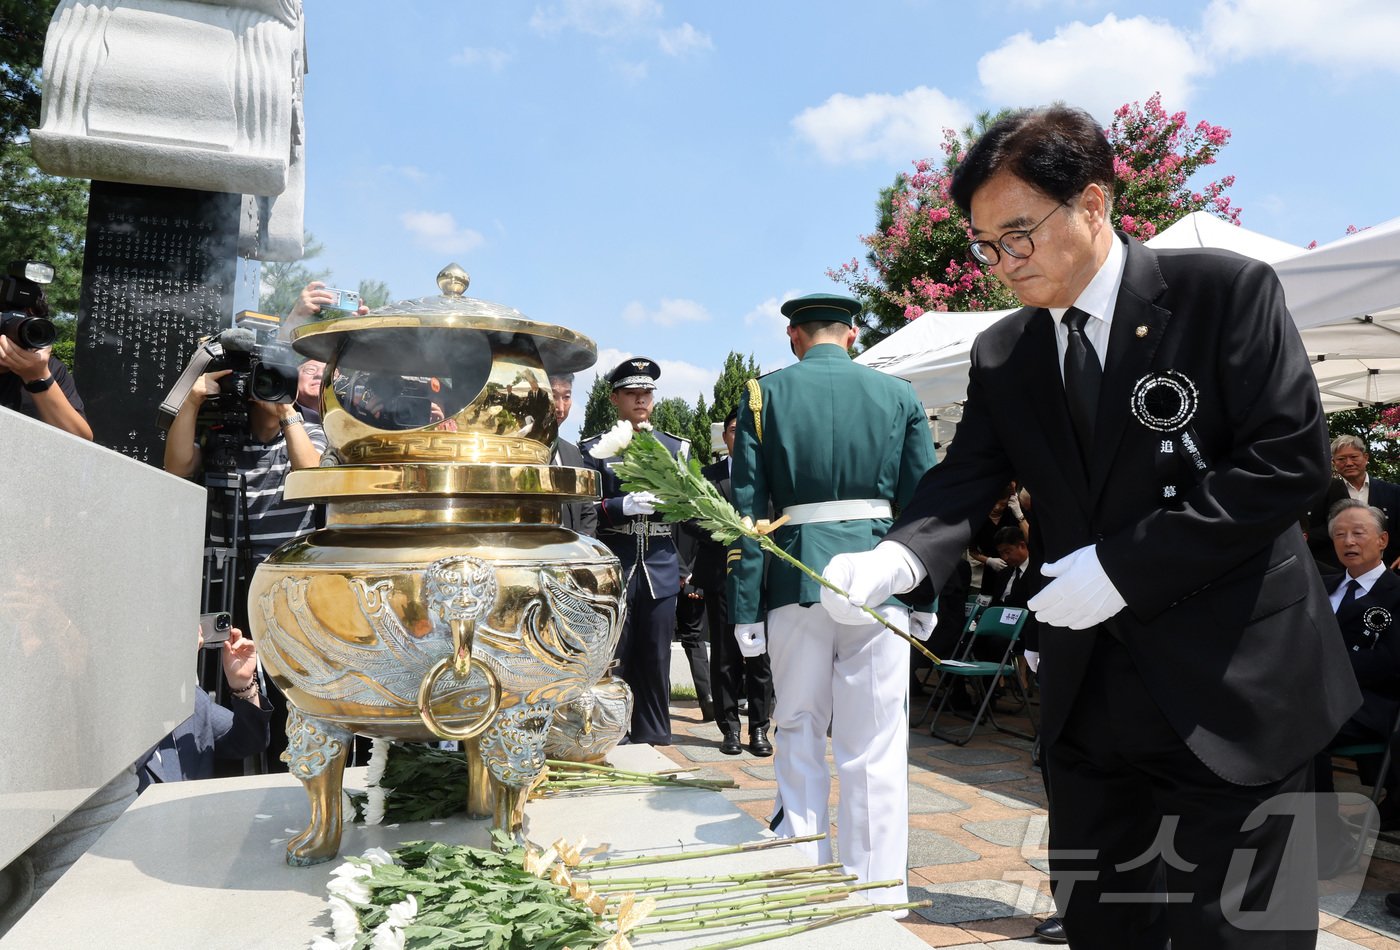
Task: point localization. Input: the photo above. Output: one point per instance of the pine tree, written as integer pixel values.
(699, 434)
(599, 414)
(282, 281)
(674, 415)
(730, 387)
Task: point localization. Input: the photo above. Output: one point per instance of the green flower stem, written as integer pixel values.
(648, 882)
(763, 845)
(745, 903)
(771, 546)
(555, 785)
(830, 917)
(772, 885)
(753, 917)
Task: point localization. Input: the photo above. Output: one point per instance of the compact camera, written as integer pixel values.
(20, 289)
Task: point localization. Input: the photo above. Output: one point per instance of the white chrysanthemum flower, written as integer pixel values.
(378, 759)
(613, 441)
(345, 923)
(378, 856)
(387, 938)
(326, 943)
(374, 805)
(402, 913)
(644, 426)
(348, 882)
(347, 806)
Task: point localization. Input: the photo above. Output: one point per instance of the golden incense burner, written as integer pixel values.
(442, 600)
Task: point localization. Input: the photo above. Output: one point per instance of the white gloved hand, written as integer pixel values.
(921, 624)
(994, 564)
(1033, 660)
(869, 578)
(1080, 596)
(1014, 504)
(640, 503)
(752, 639)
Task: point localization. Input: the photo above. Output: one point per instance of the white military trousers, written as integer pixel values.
(855, 678)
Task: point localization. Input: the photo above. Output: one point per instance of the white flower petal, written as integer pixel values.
(387, 938)
(378, 856)
(344, 921)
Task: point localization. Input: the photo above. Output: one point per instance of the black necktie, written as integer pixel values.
(1083, 375)
(1349, 595)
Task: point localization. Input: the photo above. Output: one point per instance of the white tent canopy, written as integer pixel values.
(1345, 296)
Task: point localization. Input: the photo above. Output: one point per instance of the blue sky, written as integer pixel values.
(661, 175)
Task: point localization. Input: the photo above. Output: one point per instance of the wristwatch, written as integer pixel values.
(39, 385)
(294, 419)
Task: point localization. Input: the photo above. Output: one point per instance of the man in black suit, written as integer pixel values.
(1366, 598)
(730, 670)
(1160, 408)
(580, 516)
(1350, 460)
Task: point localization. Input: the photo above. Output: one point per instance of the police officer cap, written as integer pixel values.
(636, 373)
(826, 308)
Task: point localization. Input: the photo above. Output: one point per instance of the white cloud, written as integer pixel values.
(1096, 67)
(683, 39)
(895, 128)
(490, 57)
(438, 231)
(632, 72)
(410, 172)
(1341, 35)
(606, 18)
(669, 313)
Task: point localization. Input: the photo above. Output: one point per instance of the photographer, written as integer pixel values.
(35, 382)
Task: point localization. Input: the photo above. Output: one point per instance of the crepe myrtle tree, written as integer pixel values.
(916, 258)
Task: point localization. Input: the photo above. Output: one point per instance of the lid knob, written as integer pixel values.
(453, 281)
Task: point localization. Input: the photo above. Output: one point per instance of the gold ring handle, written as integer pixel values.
(472, 730)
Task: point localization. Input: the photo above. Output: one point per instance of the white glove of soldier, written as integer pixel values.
(640, 503)
(1014, 505)
(752, 639)
(870, 578)
(921, 624)
(1080, 596)
(994, 564)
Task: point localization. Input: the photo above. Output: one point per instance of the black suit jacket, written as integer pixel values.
(1370, 628)
(580, 516)
(1227, 622)
(1383, 495)
(710, 555)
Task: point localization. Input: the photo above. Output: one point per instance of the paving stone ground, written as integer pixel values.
(976, 841)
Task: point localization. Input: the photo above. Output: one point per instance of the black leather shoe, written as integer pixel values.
(730, 745)
(1392, 904)
(759, 744)
(1052, 930)
(707, 709)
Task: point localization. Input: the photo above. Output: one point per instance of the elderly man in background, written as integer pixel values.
(1350, 461)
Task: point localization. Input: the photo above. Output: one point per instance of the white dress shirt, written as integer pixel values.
(1098, 300)
(1362, 494)
(1365, 582)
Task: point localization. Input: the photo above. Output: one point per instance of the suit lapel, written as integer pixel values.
(1040, 367)
(1129, 356)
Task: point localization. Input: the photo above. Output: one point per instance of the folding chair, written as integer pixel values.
(976, 603)
(998, 623)
(1359, 750)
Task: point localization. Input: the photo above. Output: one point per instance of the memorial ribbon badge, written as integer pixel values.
(1376, 619)
(1166, 401)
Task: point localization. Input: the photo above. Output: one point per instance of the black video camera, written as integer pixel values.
(261, 368)
(20, 289)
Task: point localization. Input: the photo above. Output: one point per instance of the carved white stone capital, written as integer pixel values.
(184, 93)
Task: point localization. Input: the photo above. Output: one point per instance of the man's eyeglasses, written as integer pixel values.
(1017, 244)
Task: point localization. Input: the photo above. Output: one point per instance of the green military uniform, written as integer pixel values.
(837, 448)
(824, 429)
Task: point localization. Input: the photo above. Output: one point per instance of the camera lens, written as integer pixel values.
(32, 333)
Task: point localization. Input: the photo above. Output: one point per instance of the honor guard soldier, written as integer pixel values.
(628, 525)
(835, 447)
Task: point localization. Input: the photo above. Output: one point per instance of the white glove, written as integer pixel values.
(869, 578)
(921, 625)
(1080, 596)
(752, 640)
(640, 503)
(1014, 503)
(994, 564)
(1033, 660)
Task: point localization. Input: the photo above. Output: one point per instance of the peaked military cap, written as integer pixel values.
(821, 307)
(636, 373)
